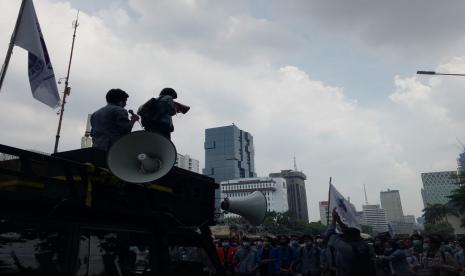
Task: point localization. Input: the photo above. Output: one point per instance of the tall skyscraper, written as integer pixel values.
(461, 163)
(296, 193)
(229, 153)
(390, 201)
(375, 217)
(437, 186)
(324, 212)
(86, 140)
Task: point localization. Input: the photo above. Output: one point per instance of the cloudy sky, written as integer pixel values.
(331, 82)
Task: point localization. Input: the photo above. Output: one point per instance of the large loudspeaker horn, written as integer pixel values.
(251, 207)
(141, 157)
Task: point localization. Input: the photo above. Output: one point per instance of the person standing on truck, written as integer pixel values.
(156, 113)
(111, 122)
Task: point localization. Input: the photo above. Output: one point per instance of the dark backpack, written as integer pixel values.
(150, 112)
(362, 261)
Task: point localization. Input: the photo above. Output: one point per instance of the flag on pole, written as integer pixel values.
(343, 207)
(41, 76)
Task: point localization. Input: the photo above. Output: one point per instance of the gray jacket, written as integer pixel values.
(169, 110)
(109, 123)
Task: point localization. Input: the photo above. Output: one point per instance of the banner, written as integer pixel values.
(343, 207)
(41, 76)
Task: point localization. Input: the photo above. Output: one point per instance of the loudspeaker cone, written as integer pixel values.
(251, 207)
(148, 164)
(141, 157)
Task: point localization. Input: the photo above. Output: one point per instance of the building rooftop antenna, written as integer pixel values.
(295, 164)
(365, 190)
(460, 142)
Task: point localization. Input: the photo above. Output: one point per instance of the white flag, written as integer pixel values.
(343, 207)
(41, 76)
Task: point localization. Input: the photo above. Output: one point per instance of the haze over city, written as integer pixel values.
(332, 83)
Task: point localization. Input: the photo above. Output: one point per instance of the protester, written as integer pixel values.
(283, 256)
(111, 122)
(226, 254)
(246, 259)
(352, 255)
(396, 258)
(157, 112)
(266, 262)
(308, 263)
(435, 261)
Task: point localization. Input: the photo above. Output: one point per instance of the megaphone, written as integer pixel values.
(180, 108)
(141, 157)
(251, 207)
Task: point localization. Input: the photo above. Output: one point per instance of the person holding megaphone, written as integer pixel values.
(156, 113)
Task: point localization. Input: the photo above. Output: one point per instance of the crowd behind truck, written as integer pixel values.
(342, 254)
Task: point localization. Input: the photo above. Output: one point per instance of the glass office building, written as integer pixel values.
(229, 153)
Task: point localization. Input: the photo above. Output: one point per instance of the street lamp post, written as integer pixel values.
(435, 73)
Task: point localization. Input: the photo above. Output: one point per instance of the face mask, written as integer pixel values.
(225, 244)
(426, 247)
(417, 243)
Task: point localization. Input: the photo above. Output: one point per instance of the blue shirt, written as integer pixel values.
(284, 256)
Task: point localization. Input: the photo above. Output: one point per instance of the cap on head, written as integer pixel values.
(169, 91)
(116, 95)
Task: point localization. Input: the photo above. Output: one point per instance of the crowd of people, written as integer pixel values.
(343, 254)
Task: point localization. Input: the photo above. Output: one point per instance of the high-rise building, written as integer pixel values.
(390, 201)
(229, 153)
(296, 193)
(187, 163)
(274, 190)
(86, 140)
(410, 219)
(461, 163)
(402, 227)
(375, 217)
(437, 186)
(324, 212)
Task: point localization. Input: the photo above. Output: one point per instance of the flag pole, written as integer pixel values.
(329, 202)
(12, 43)
(67, 89)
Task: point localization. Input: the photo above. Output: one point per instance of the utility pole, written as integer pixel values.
(67, 89)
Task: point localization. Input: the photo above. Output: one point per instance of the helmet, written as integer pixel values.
(115, 96)
(169, 91)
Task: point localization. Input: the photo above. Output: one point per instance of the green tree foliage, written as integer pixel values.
(443, 228)
(276, 223)
(435, 213)
(457, 202)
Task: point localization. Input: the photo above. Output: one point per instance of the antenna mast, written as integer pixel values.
(295, 164)
(67, 89)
